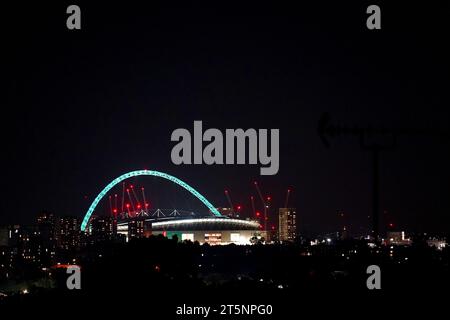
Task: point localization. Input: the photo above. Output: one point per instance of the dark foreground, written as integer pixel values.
(155, 277)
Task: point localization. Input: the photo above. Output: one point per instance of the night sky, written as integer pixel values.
(83, 107)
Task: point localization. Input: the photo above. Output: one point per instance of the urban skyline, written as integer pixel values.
(108, 103)
(199, 157)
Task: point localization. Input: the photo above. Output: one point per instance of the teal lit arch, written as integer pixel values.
(145, 173)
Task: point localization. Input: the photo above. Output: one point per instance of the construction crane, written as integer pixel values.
(145, 200)
(123, 197)
(252, 199)
(110, 206)
(266, 207)
(115, 205)
(131, 201)
(287, 198)
(227, 194)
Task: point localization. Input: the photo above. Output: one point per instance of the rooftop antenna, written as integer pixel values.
(263, 203)
(366, 136)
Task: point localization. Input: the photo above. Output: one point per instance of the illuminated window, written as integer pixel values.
(213, 238)
(235, 237)
(187, 236)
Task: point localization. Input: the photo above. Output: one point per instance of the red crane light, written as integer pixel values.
(258, 213)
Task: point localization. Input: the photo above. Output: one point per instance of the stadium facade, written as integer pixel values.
(211, 230)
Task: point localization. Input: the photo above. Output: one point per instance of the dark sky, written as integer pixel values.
(83, 107)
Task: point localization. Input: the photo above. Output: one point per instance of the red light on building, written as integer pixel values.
(258, 214)
(239, 207)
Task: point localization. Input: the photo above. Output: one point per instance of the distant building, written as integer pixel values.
(135, 229)
(103, 228)
(26, 246)
(287, 224)
(4, 239)
(6, 262)
(68, 233)
(46, 224)
(397, 238)
(46, 236)
(14, 235)
(437, 243)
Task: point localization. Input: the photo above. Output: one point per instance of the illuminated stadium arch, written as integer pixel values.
(145, 173)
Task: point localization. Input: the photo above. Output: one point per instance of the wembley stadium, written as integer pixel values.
(134, 219)
(211, 230)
